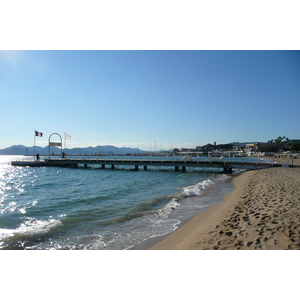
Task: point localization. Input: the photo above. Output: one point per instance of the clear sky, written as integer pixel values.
(133, 98)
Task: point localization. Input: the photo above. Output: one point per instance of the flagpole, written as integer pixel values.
(34, 143)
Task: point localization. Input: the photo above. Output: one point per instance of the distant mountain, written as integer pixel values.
(14, 150)
(23, 150)
(104, 150)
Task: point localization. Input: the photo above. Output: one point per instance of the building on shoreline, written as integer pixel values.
(210, 149)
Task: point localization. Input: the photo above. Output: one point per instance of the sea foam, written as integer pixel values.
(165, 211)
(196, 190)
(31, 228)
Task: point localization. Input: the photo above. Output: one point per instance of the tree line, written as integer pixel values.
(285, 144)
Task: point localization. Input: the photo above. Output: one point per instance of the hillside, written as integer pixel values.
(23, 150)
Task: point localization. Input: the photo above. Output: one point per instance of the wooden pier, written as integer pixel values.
(138, 164)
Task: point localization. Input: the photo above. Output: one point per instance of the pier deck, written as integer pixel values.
(227, 166)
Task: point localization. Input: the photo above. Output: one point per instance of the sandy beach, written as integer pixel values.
(262, 212)
(278, 159)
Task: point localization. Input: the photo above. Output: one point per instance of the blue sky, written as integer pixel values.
(133, 98)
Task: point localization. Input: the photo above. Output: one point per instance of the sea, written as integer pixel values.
(55, 208)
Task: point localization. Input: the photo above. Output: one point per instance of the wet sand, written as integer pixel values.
(263, 212)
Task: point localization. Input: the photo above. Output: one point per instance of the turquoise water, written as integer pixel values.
(94, 208)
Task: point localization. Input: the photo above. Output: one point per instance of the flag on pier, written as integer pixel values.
(67, 137)
(40, 134)
(37, 133)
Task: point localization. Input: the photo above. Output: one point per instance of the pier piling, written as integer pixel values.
(227, 170)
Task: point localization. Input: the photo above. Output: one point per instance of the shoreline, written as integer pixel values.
(260, 213)
(182, 238)
(280, 160)
(214, 194)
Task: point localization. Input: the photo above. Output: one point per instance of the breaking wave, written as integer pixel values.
(165, 211)
(196, 190)
(31, 230)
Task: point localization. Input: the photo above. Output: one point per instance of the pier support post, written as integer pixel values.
(145, 168)
(227, 170)
(112, 167)
(176, 168)
(136, 168)
(85, 166)
(103, 166)
(183, 169)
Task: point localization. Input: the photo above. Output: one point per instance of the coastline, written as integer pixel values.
(280, 160)
(210, 196)
(262, 212)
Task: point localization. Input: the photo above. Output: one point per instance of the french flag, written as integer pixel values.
(40, 134)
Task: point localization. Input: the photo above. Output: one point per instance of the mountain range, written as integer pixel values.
(23, 150)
